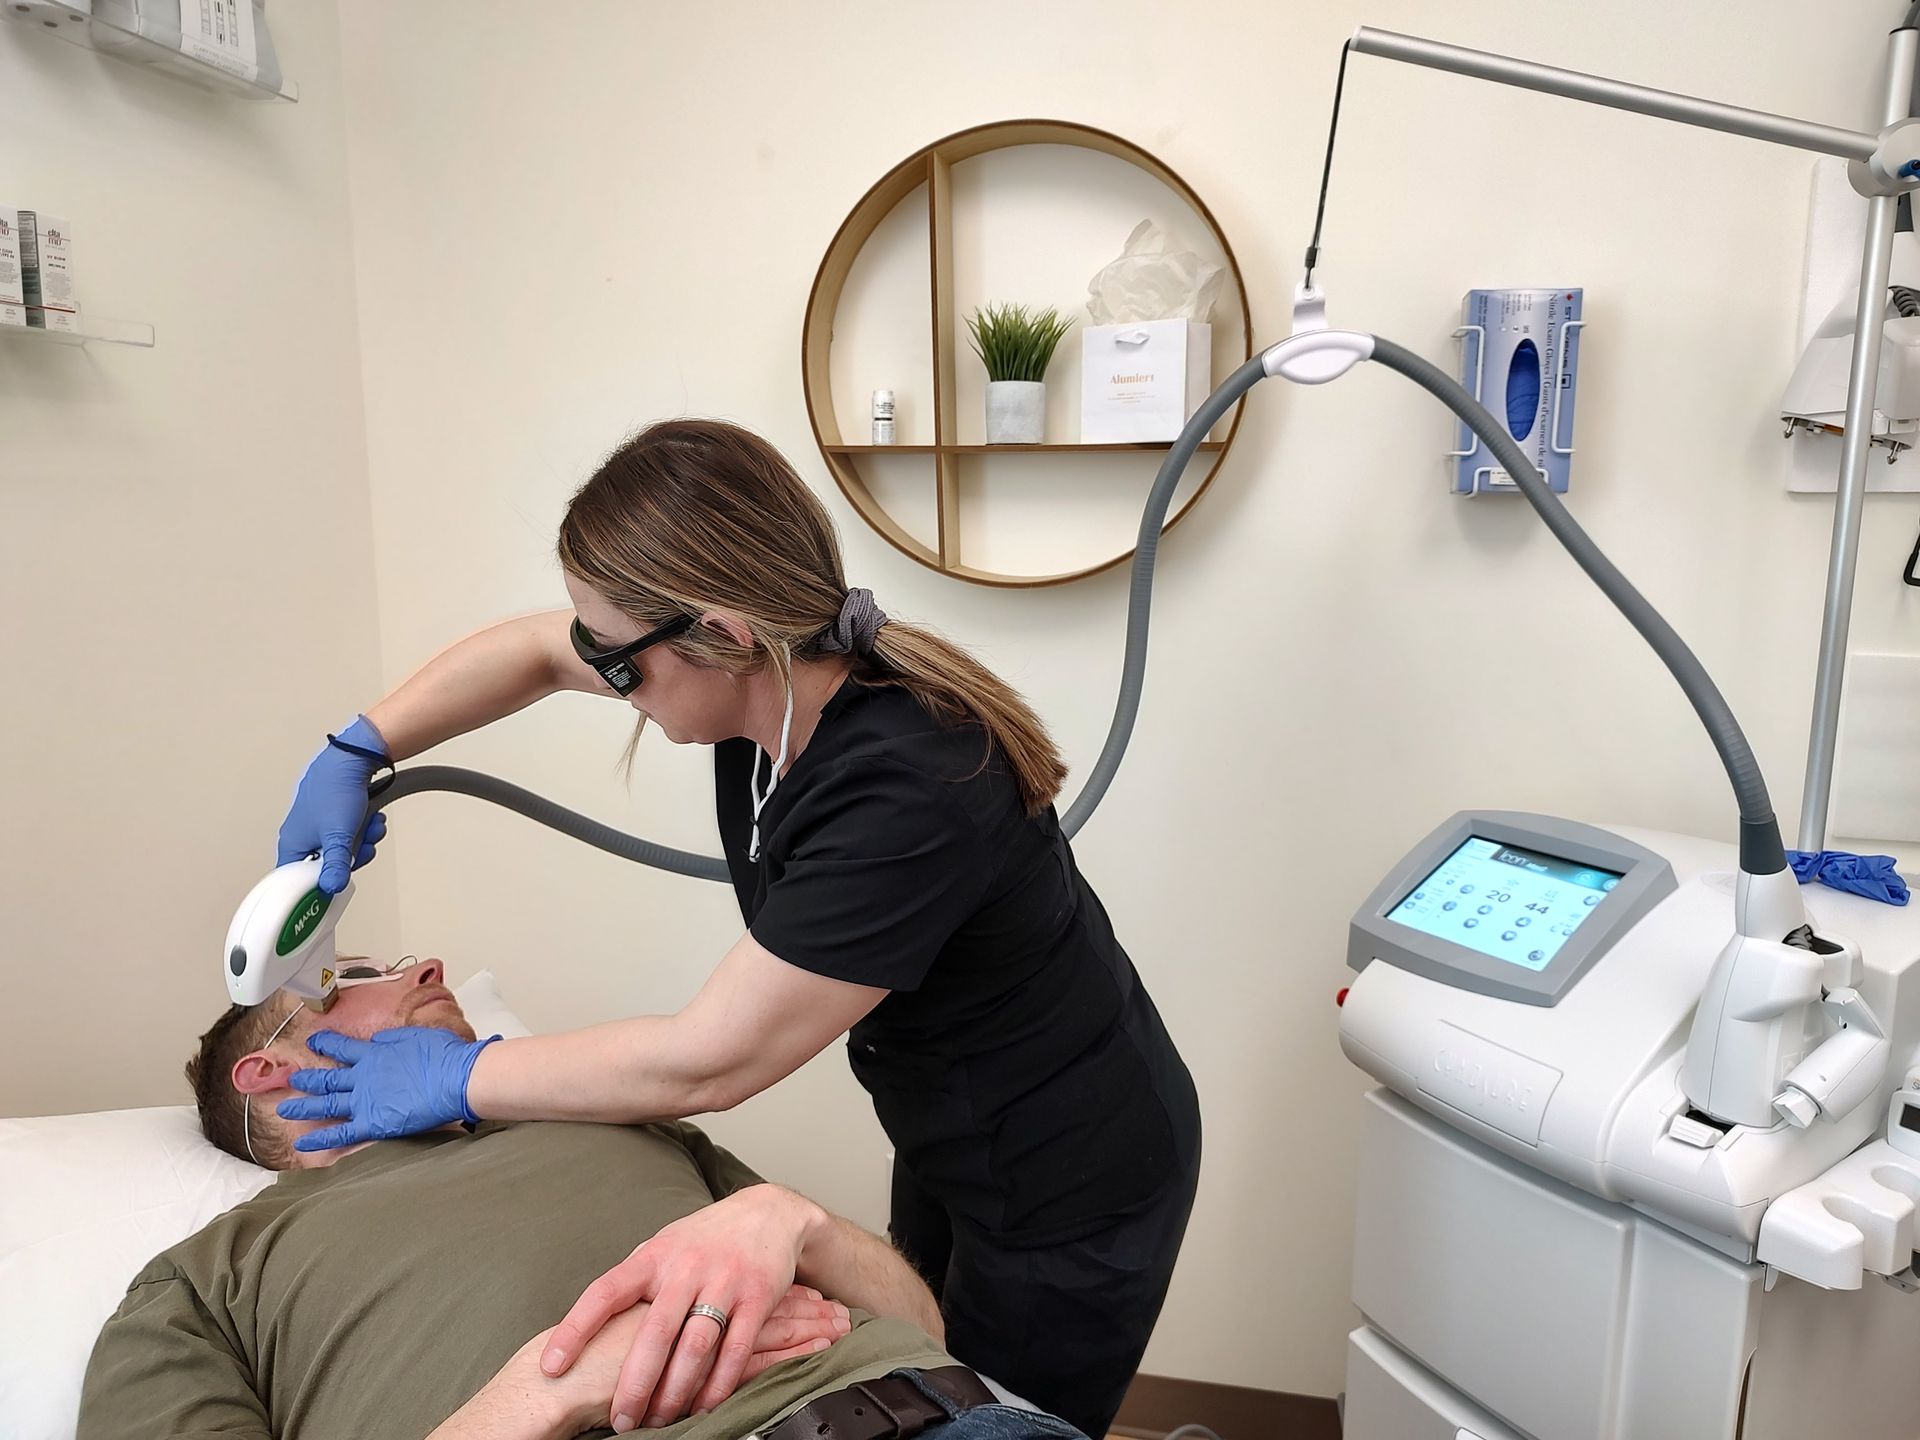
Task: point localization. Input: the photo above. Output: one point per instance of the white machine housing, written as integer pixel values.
(1549, 1245)
(1588, 1089)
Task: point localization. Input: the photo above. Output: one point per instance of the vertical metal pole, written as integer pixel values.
(1869, 326)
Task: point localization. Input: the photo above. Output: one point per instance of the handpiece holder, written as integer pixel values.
(1746, 1060)
(1857, 1219)
(1749, 1027)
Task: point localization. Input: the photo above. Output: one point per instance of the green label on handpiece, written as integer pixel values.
(305, 916)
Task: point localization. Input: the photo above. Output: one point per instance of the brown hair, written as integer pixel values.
(695, 516)
(241, 1031)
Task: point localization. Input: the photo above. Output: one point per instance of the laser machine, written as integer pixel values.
(1645, 1154)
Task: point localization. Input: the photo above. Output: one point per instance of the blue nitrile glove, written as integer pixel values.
(401, 1082)
(330, 807)
(1870, 875)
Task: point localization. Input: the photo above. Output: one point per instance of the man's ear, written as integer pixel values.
(728, 626)
(261, 1070)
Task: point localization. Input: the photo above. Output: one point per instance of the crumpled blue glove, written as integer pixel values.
(1870, 875)
(330, 807)
(401, 1082)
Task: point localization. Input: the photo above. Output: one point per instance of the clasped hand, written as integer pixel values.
(521, 1400)
(738, 1255)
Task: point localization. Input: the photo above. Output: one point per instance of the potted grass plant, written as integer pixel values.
(1016, 345)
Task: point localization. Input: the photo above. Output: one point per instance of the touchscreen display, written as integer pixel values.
(1505, 902)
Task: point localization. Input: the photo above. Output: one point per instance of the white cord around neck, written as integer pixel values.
(773, 781)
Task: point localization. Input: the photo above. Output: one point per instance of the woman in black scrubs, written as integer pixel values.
(904, 881)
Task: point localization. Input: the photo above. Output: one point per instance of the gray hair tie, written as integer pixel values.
(853, 629)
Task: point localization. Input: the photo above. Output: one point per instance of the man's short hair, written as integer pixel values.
(241, 1031)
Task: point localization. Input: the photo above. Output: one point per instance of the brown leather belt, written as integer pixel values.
(888, 1409)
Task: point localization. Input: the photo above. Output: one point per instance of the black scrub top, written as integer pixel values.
(1019, 1067)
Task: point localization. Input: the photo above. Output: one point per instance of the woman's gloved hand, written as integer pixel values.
(401, 1082)
(330, 807)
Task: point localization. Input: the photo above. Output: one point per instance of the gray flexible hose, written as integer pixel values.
(1761, 852)
(537, 807)
(1133, 664)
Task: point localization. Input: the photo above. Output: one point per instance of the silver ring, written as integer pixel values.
(712, 1312)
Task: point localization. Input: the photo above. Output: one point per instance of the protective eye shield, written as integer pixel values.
(615, 666)
(349, 976)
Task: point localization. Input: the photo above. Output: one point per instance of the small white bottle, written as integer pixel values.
(883, 417)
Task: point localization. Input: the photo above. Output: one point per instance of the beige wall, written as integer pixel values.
(1344, 655)
(185, 565)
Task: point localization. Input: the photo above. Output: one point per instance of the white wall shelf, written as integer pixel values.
(141, 42)
(94, 330)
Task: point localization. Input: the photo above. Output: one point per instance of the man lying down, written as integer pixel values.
(403, 1288)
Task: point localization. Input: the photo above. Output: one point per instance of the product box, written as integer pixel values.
(13, 299)
(1144, 380)
(38, 282)
(58, 299)
(30, 268)
(1519, 356)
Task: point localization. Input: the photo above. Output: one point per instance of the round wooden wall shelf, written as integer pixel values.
(953, 462)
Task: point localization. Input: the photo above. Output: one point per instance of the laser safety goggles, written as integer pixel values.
(362, 973)
(615, 666)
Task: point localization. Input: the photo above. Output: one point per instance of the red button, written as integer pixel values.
(1341, 998)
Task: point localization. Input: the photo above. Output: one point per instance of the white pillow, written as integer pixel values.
(86, 1201)
(479, 996)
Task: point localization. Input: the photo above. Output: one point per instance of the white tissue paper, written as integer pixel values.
(1146, 363)
(1151, 282)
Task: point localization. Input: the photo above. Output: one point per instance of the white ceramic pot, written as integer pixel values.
(1016, 412)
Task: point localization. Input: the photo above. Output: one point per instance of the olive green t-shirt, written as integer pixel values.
(374, 1297)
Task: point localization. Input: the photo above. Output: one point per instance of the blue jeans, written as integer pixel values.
(991, 1422)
